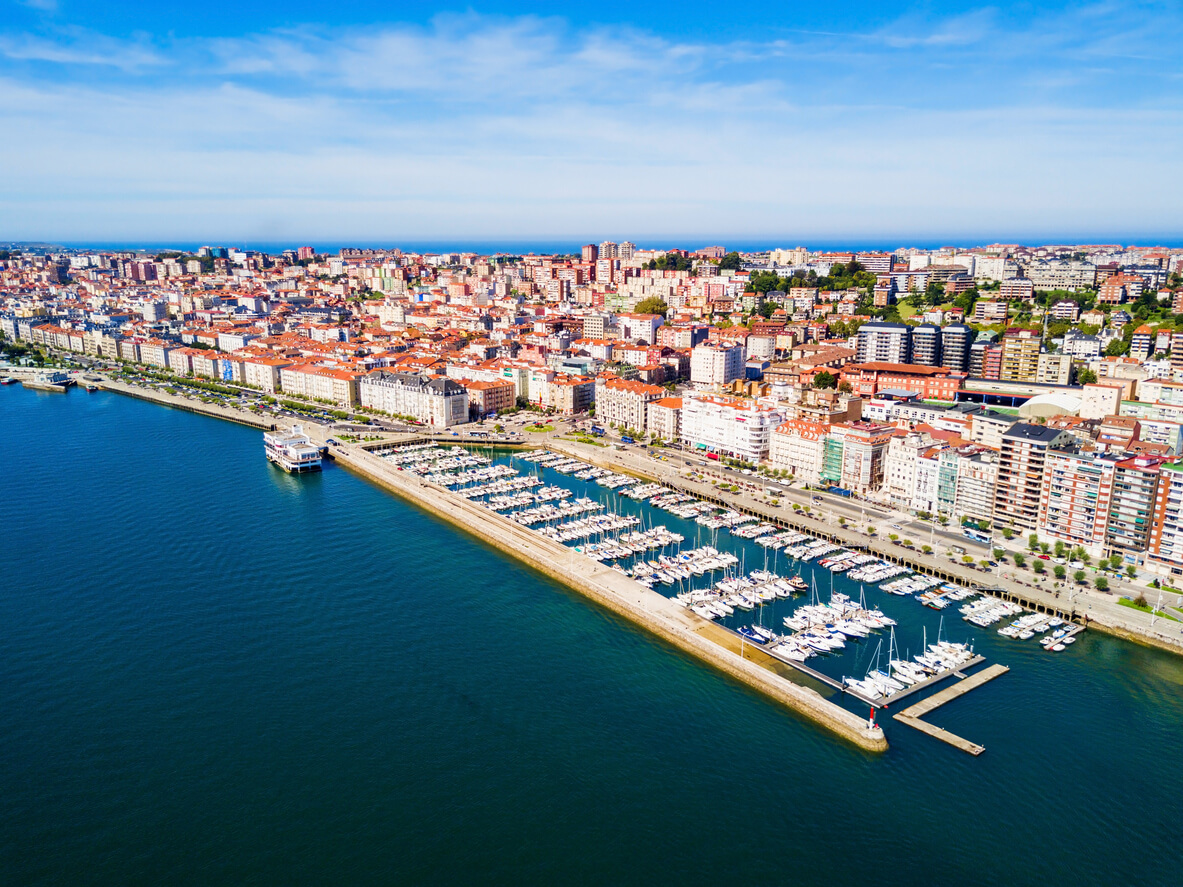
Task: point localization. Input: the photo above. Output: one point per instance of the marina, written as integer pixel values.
(804, 602)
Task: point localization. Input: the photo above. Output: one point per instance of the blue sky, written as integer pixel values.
(414, 121)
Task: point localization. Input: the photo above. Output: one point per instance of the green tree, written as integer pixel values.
(1060, 572)
(730, 261)
(1101, 583)
(1117, 347)
(652, 305)
(1115, 561)
(1085, 376)
(1079, 577)
(1131, 571)
(1037, 565)
(1033, 542)
(825, 379)
(1020, 561)
(1008, 533)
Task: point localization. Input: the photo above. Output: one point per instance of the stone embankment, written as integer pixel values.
(631, 600)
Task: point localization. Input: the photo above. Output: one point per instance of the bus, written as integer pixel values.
(975, 535)
(627, 440)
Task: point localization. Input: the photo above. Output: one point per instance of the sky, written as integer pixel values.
(655, 122)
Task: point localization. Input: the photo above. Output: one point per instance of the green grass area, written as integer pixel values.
(539, 428)
(1145, 608)
(590, 441)
(906, 309)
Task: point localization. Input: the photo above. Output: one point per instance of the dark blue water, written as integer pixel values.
(212, 672)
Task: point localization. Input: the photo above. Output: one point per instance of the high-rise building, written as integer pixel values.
(1020, 355)
(305, 252)
(1165, 554)
(884, 343)
(1131, 508)
(1020, 473)
(956, 339)
(627, 249)
(1075, 500)
(591, 252)
(926, 345)
(714, 365)
(609, 250)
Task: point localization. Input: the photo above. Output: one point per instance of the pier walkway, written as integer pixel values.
(912, 716)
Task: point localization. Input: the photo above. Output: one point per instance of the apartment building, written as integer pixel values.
(1165, 555)
(986, 427)
(899, 467)
(713, 365)
(956, 339)
(321, 383)
(977, 479)
(623, 402)
(1020, 473)
(884, 343)
(1075, 500)
(489, 397)
(864, 448)
(571, 394)
(433, 400)
(1020, 355)
(797, 447)
(1131, 506)
(663, 417)
(727, 426)
(926, 345)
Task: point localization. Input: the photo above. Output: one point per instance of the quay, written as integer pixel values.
(913, 716)
(644, 607)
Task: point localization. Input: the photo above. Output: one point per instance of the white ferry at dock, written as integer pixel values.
(293, 451)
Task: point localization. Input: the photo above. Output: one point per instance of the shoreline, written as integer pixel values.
(643, 607)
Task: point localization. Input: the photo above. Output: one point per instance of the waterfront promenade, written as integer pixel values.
(1101, 612)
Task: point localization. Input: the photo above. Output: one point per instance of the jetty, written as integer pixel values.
(913, 716)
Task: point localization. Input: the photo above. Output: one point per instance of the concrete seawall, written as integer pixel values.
(243, 417)
(631, 600)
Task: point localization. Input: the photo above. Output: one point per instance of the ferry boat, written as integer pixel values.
(293, 451)
(8, 380)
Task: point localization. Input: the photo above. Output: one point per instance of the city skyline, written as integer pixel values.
(502, 124)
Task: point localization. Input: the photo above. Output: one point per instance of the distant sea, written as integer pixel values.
(214, 673)
(563, 247)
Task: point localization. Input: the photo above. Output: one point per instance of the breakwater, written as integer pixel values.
(628, 599)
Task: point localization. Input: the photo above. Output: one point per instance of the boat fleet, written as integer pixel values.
(712, 582)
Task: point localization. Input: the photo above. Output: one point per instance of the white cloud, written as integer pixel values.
(474, 127)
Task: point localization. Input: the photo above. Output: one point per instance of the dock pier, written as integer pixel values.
(913, 716)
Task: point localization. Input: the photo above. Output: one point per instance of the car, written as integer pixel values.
(896, 527)
(1043, 557)
(1060, 560)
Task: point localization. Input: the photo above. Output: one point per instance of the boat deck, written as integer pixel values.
(912, 716)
